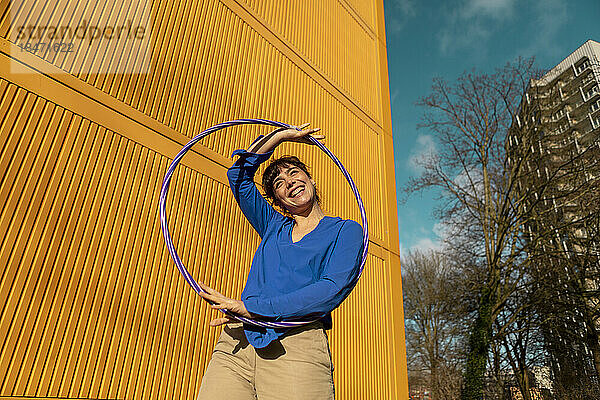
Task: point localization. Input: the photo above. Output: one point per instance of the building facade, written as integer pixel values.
(561, 115)
(96, 98)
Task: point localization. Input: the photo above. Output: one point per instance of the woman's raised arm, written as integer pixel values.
(278, 136)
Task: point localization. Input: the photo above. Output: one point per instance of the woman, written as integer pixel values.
(303, 267)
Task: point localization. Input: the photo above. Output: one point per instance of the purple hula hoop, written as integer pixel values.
(171, 247)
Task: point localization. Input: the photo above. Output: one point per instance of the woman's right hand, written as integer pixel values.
(281, 135)
(300, 136)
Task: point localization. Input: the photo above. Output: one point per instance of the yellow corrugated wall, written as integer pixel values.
(91, 306)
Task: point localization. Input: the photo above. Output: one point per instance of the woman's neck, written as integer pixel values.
(310, 219)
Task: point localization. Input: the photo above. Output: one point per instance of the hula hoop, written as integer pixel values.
(171, 247)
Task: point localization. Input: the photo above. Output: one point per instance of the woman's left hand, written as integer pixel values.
(223, 302)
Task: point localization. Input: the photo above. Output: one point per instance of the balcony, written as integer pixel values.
(589, 93)
(579, 69)
(595, 122)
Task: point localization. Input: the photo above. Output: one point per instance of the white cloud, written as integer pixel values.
(427, 244)
(497, 9)
(471, 23)
(427, 240)
(398, 13)
(424, 150)
(548, 21)
(441, 230)
(470, 181)
(407, 7)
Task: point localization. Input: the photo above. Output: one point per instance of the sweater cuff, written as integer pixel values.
(263, 308)
(251, 158)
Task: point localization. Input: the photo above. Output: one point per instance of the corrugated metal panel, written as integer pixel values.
(91, 306)
(222, 85)
(357, 375)
(330, 36)
(365, 10)
(90, 303)
(176, 48)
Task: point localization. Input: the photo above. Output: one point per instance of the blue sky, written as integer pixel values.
(427, 39)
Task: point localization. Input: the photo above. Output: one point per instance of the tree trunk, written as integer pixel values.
(479, 344)
(594, 344)
(524, 386)
(434, 381)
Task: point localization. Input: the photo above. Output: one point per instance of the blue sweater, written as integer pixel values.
(290, 280)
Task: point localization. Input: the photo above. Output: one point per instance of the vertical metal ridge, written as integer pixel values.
(87, 164)
(22, 222)
(91, 203)
(186, 75)
(190, 320)
(12, 195)
(119, 258)
(5, 18)
(12, 154)
(174, 336)
(201, 347)
(161, 303)
(107, 230)
(153, 78)
(73, 13)
(182, 290)
(124, 52)
(189, 104)
(175, 27)
(174, 291)
(299, 35)
(35, 222)
(165, 60)
(124, 316)
(187, 364)
(39, 254)
(55, 240)
(141, 274)
(12, 99)
(180, 70)
(96, 241)
(146, 324)
(184, 293)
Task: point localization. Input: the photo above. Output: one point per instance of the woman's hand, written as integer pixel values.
(223, 302)
(281, 135)
(300, 136)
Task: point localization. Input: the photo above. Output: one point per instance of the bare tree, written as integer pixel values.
(563, 230)
(486, 167)
(470, 120)
(433, 323)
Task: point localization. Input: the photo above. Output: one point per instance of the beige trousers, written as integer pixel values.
(297, 366)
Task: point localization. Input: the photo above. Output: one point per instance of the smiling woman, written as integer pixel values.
(305, 266)
(283, 171)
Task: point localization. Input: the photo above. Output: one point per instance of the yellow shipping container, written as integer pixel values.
(96, 98)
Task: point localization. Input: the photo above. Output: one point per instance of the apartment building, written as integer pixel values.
(560, 122)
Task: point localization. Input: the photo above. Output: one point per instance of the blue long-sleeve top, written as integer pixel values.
(289, 279)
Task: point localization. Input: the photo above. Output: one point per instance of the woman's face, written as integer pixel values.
(294, 190)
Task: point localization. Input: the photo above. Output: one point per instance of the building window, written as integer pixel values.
(591, 91)
(559, 114)
(582, 66)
